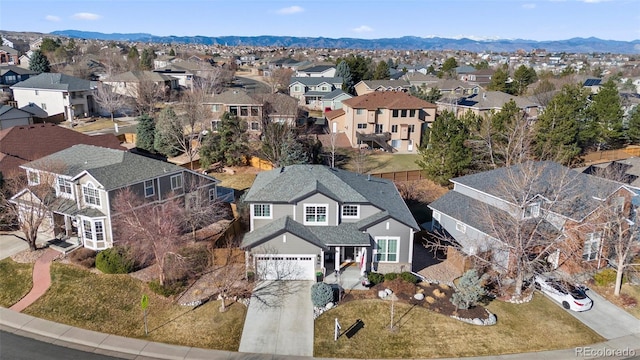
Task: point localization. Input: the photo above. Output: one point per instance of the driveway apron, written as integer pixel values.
(279, 319)
(607, 319)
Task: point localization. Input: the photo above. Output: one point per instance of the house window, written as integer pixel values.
(255, 125)
(532, 210)
(91, 195)
(316, 214)
(591, 246)
(262, 211)
(233, 110)
(386, 250)
(10, 79)
(412, 128)
(436, 216)
(34, 177)
(394, 128)
(212, 195)
(176, 182)
(461, 227)
(618, 204)
(215, 107)
(255, 111)
(380, 111)
(93, 234)
(412, 113)
(43, 106)
(379, 128)
(396, 143)
(362, 126)
(215, 125)
(64, 187)
(244, 111)
(403, 113)
(37, 92)
(395, 113)
(359, 111)
(149, 189)
(296, 88)
(350, 211)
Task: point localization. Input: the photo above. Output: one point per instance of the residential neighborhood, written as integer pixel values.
(319, 202)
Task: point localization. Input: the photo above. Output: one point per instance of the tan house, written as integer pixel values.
(391, 120)
(368, 86)
(484, 102)
(127, 83)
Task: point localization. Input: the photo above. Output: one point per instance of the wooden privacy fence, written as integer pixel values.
(610, 155)
(259, 163)
(409, 175)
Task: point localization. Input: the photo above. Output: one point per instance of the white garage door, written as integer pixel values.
(286, 267)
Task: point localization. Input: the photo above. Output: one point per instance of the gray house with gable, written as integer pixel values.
(309, 218)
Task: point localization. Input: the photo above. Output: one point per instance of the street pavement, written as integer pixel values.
(279, 319)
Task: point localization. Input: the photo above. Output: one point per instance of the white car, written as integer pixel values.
(570, 296)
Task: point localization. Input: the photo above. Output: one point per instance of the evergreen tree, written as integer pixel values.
(481, 65)
(557, 128)
(633, 131)
(445, 156)
(359, 67)
(49, 45)
(427, 94)
(343, 71)
(146, 59)
(172, 52)
(382, 71)
(164, 140)
(228, 145)
(145, 133)
(603, 122)
(448, 68)
(523, 77)
(133, 54)
(390, 63)
(39, 62)
(469, 290)
(499, 81)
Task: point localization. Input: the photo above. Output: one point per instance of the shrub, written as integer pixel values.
(468, 291)
(390, 276)
(628, 301)
(321, 294)
(375, 278)
(168, 289)
(430, 300)
(409, 277)
(83, 257)
(444, 286)
(605, 277)
(437, 293)
(115, 260)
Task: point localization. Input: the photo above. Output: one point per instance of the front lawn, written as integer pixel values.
(111, 304)
(15, 281)
(420, 333)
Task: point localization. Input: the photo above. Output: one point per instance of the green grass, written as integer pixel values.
(535, 326)
(111, 304)
(15, 281)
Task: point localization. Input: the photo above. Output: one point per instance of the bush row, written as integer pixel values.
(376, 278)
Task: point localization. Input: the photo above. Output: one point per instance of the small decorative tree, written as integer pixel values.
(468, 291)
(321, 294)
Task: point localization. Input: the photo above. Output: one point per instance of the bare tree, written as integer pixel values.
(109, 99)
(360, 159)
(279, 79)
(146, 94)
(26, 201)
(229, 266)
(201, 207)
(152, 230)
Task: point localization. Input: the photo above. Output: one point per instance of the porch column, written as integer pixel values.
(322, 262)
(337, 259)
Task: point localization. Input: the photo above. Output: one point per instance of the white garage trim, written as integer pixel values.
(285, 266)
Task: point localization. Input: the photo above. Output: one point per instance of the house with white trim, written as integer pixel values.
(310, 218)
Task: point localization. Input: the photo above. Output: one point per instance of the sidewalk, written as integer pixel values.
(41, 280)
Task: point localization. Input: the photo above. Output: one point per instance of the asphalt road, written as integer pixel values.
(16, 347)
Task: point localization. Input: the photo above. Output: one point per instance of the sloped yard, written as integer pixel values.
(15, 281)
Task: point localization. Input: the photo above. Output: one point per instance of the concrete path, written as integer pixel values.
(279, 319)
(607, 319)
(41, 280)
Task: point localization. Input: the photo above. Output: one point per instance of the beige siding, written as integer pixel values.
(286, 244)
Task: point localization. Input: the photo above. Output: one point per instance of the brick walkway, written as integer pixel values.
(41, 280)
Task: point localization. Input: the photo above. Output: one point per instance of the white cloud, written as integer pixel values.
(363, 29)
(86, 16)
(52, 18)
(529, 6)
(290, 10)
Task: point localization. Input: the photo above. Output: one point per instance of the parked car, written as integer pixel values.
(570, 296)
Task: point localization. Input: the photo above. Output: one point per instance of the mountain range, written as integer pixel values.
(573, 45)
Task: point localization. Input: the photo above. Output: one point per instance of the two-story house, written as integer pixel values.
(87, 180)
(317, 71)
(390, 120)
(129, 82)
(311, 90)
(57, 94)
(367, 86)
(12, 74)
(308, 218)
(8, 55)
(534, 209)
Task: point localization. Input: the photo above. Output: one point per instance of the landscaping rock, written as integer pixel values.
(477, 321)
(419, 296)
(388, 291)
(491, 320)
(329, 306)
(382, 294)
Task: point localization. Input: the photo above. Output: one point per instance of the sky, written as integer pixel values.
(366, 19)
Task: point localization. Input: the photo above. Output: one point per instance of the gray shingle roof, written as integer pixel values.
(317, 68)
(234, 97)
(55, 81)
(334, 94)
(494, 100)
(314, 81)
(577, 196)
(289, 184)
(374, 84)
(321, 236)
(112, 168)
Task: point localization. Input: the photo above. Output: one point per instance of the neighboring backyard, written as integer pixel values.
(420, 333)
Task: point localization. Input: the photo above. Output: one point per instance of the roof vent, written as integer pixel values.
(368, 177)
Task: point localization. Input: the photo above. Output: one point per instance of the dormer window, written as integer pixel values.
(64, 186)
(350, 211)
(34, 177)
(531, 211)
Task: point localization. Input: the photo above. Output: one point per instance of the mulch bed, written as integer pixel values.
(436, 297)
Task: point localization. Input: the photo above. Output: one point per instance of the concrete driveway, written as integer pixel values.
(607, 319)
(279, 319)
